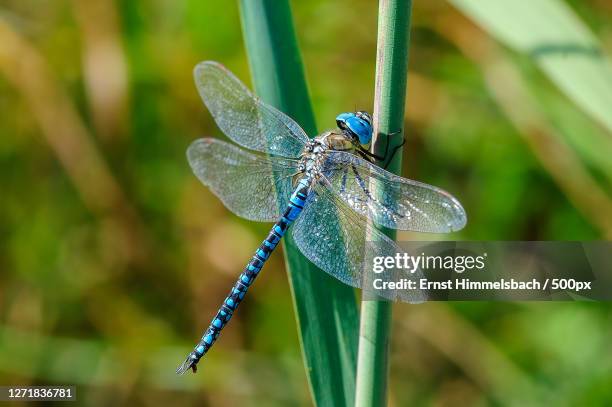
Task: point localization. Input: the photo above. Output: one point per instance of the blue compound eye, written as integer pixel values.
(341, 120)
(363, 131)
(356, 125)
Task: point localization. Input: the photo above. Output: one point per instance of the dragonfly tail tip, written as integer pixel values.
(189, 363)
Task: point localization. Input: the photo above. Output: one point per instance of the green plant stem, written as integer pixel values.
(389, 104)
(326, 309)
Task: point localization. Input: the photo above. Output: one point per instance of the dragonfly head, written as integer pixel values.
(356, 126)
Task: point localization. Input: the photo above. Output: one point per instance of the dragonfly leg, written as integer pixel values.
(394, 151)
(385, 158)
(366, 155)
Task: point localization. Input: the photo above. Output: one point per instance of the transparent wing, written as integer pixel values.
(390, 200)
(252, 186)
(243, 117)
(333, 237)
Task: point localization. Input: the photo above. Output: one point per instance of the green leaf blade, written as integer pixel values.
(326, 309)
(557, 41)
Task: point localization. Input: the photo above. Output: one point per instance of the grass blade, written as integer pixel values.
(551, 34)
(325, 308)
(389, 103)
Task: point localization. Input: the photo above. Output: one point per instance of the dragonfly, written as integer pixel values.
(327, 188)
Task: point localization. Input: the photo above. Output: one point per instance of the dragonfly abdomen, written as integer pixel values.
(246, 278)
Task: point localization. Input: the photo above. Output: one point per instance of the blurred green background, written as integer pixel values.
(113, 257)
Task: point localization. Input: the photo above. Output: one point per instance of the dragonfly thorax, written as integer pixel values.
(313, 156)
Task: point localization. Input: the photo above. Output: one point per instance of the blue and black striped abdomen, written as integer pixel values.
(252, 269)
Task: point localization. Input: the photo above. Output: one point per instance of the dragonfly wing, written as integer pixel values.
(243, 117)
(333, 237)
(250, 185)
(390, 200)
